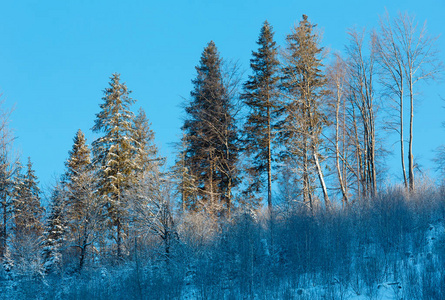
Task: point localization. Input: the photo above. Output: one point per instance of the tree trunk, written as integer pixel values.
(269, 162)
(119, 239)
(321, 178)
(410, 146)
(337, 150)
(402, 146)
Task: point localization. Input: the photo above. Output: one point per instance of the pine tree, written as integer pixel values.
(114, 154)
(210, 136)
(303, 83)
(261, 96)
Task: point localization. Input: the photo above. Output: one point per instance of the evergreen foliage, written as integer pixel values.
(117, 200)
(114, 154)
(261, 96)
(303, 84)
(85, 209)
(147, 157)
(210, 137)
(55, 232)
(28, 212)
(78, 166)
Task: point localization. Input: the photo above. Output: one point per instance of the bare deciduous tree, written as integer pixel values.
(361, 69)
(407, 55)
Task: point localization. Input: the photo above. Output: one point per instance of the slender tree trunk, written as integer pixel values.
(358, 155)
(306, 190)
(337, 150)
(82, 254)
(229, 197)
(321, 178)
(212, 196)
(371, 152)
(269, 161)
(119, 239)
(4, 236)
(410, 149)
(402, 146)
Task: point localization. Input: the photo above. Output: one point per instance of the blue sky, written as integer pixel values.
(56, 58)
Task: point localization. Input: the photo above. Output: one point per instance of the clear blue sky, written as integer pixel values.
(56, 58)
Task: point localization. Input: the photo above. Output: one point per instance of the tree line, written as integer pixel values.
(302, 112)
(305, 119)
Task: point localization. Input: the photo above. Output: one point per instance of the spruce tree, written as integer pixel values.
(27, 224)
(77, 164)
(261, 97)
(84, 208)
(147, 157)
(114, 154)
(210, 136)
(303, 83)
(28, 211)
(55, 231)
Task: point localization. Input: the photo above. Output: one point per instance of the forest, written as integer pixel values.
(277, 191)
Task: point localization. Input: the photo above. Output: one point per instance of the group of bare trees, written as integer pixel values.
(407, 56)
(371, 83)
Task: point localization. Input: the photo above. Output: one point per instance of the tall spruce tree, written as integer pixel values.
(303, 83)
(210, 136)
(261, 96)
(114, 154)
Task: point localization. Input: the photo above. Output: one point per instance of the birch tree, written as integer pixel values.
(407, 55)
(361, 69)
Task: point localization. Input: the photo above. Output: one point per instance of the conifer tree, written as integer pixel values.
(6, 188)
(77, 164)
(84, 208)
(210, 136)
(303, 84)
(28, 211)
(185, 181)
(27, 224)
(114, 154)
(55, 231)
(261, 96)
(147, 153)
